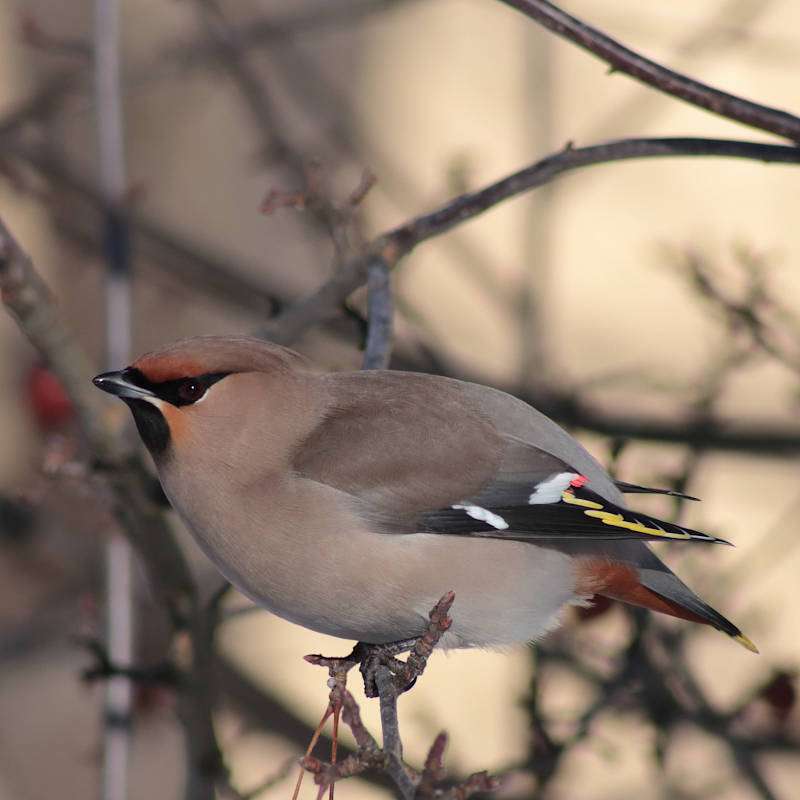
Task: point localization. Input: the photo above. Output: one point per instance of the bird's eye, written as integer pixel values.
(190, 391)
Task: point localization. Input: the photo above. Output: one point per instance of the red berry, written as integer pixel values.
(780, 694)
(49, 403)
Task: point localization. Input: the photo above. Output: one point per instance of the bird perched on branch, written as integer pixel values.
(350, 502)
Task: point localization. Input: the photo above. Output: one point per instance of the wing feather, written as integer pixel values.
(537, 496)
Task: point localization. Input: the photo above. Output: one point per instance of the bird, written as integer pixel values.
(349, 502)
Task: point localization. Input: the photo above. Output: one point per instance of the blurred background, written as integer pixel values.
(659, 296)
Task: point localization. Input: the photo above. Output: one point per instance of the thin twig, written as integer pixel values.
(380, 310)
(439, 622)
(226, 39)
(623, 59)
(278, 30)
(105, 668)
(389, 248)
(34, 35)
(392, 745)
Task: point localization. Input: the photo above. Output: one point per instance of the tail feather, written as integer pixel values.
(634, 488)
(656, 588)
(669, 586)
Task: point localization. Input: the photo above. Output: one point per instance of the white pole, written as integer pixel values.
(119, 597)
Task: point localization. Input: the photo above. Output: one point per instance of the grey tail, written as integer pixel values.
(668, 586)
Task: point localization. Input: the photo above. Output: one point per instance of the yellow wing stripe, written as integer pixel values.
(617, 520)
(568, 497)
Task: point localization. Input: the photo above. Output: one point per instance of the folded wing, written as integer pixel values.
(534, 496)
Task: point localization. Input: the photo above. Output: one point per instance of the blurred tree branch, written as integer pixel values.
(397, 243)
(187, 260)
(378, 350)
(274, 30)
(29, 301)
(649, 72)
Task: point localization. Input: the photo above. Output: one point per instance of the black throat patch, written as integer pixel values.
(151, 425)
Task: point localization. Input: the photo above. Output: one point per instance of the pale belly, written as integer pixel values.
(379, 588)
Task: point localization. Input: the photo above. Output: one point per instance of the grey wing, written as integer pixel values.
(420, 453)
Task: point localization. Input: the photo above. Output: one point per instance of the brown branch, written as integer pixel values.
(623, 59)
(39, 106)
(439, 623)
(36, 36)
(392, 678)
(325, 302)
(261, 709)
(29, 301)
(309, 80)
(392, 744)
(389, 248)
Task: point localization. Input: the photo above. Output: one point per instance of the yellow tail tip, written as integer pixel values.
(746, 643)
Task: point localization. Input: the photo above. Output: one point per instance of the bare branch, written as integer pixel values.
(391, 678)
(439, 623)
(392, 745)
(186, 259)
(389, 248)
(272, 30)
(225, 37)
(29, 301)
(379, 315)
(140, 517)
(34, 35)
(623, 59)
(365, 186)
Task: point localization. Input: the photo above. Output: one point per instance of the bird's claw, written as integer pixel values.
(369, 657)
(369, 668)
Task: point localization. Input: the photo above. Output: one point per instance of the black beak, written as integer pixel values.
(117, 384)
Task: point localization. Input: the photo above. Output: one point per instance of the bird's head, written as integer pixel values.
(214, 396)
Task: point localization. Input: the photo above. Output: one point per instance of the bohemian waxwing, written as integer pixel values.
(351, 502)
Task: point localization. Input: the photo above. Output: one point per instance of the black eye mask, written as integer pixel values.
(179, 392)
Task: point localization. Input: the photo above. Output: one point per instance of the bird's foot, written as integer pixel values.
(371, 656)
(368, 657)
